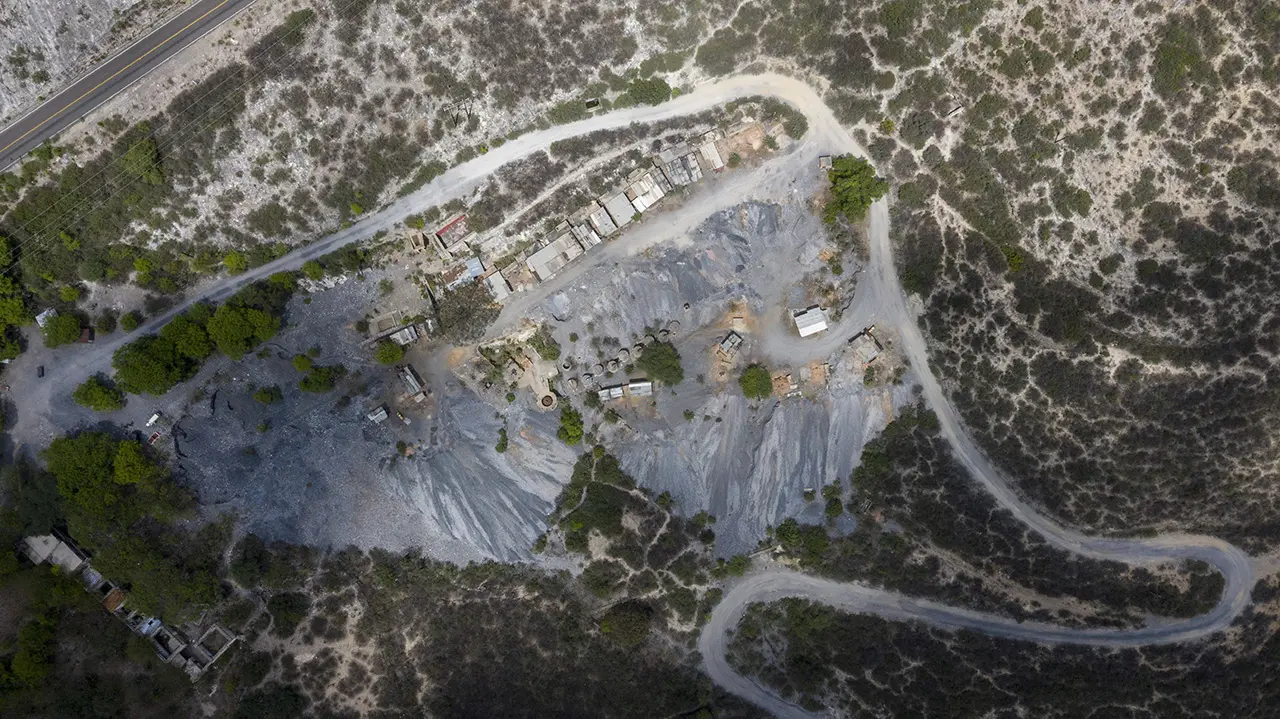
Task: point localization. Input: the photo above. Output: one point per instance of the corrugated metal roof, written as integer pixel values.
(811, 322)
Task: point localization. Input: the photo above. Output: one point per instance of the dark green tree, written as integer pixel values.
(756, 382)
(99, 395)
(62, 329)
(570, 425)
(661, 362)
(236, 330)
(854, 186)
(387, 352)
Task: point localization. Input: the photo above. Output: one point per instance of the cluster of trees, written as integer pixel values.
(14, 311)
(657, 545)
(661, 362)
(502, 639)
(908, 473)
(155, 364)
(98, 394)
(571, 427)
(119, 503)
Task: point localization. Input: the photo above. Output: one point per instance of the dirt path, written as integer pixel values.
(879, 299)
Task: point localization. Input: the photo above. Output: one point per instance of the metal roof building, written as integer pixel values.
(811, 321)
(602, 223)
(559, 252)
(640, 388)
(711, 156)
(644, 193)
(620, 209)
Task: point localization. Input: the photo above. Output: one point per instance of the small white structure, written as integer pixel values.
(405, 336)
(810, 321)
(43, 318)
(498, 286)
(640, 388)
(48, 548)
(378, 415)
(711, 156)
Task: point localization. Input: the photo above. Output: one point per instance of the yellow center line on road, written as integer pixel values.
(114, 75)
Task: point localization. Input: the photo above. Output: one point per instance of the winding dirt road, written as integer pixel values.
(879, 298)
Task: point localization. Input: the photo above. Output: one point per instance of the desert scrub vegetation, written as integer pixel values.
(818, 656)
(953, 535)
(490, 620)
(644, 551)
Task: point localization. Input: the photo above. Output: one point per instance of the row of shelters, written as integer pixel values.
(604, 217)
(635, 388)
(192, 649)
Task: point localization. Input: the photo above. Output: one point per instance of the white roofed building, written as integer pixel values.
(810, 321)
(620, 209)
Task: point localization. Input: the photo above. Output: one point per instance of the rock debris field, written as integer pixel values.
(312, 469)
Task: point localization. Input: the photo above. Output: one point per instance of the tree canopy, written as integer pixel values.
(661, 362)
(466, 312)
(151, 365)
(570, 431)
(651, 91)
(236, 330)
(98, 395)
(62, 329)
(756, 382)
(387, 352)
(854, 186)
(119, 503)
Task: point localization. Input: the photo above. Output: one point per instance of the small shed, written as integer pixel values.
(811, 321)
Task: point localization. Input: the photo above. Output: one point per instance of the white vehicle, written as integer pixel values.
(154, 418)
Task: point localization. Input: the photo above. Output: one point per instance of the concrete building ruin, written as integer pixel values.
(173, 646)
(450, 240)
(549, 260)
(729, 347)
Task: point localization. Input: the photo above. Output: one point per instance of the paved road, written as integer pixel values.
(879, 298)
(113, 76)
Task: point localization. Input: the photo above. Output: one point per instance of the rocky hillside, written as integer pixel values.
(45, 43)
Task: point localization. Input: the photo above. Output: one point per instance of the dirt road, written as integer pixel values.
(879, 299)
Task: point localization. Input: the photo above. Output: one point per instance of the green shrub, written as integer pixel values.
(235, 262)
(130, 321)
(98, 395)
(651, 91)
(661, 362)
(854, 186)
(570, 425)
(60, 330)
(313, 270)
(387, 352)
(268, 395)
(756, 382)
